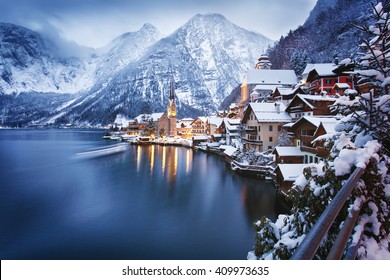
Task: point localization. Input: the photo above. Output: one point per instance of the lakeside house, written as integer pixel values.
(286, 174)
(263, 123)
(288, 154)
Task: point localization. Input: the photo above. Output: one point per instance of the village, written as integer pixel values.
(270, 133)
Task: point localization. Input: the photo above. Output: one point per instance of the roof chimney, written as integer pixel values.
(277, 106)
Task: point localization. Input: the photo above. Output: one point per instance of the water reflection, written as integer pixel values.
(149, 202)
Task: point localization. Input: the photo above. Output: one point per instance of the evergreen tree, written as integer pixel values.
(299, 61)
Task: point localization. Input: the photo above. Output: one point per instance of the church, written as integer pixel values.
(172, 121)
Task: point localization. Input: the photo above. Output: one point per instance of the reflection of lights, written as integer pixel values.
(175, 161)
(188, 161)
(138, 157)
(164, 158)
(152, 159)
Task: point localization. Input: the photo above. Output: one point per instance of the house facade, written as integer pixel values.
(306, 130)
(263, 123)
(324, 77)
(288, 155)
(259, 83)
(310, 105)
(199, 126)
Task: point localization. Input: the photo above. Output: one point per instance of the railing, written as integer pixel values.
(307, 249)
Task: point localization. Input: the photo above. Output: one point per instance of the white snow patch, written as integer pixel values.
(356, 157)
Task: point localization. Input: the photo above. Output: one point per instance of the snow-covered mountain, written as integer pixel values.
(29, 63)
(328, 30)
(207, 57)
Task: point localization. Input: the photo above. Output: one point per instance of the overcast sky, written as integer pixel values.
(96, 22)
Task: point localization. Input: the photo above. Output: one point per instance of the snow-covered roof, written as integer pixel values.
(122, 120)
(289, 151)
(342, 86)
(306, 97)
(329, 126)
(230, 151)
(266, 107)
(233, 121)
(291, 171)
(286, 90)
(327, 122)
(142, 118)
(273, 117)
(203, 119)
(317, 97)
(156, 116)
(322, 69)
(271, 77)
(263, 88)
(200, 137)
(215, 121)
(232, 124)
(268, 112)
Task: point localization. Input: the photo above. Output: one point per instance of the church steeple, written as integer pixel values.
(172, 122)
(263, 63)
(171, 103)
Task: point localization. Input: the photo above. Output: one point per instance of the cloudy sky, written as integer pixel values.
(95, 22)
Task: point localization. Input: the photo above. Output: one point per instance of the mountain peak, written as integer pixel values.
(149, 27)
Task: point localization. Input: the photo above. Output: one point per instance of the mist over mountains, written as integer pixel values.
(207, 57)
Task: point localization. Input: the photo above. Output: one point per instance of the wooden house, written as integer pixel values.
(306, 130)
(286, 94)
(310, 105)
(285, 176)
(288, 155)
(200, 126)
(323, 77)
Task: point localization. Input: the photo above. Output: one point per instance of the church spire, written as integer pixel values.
(172, 94)
(171, 102)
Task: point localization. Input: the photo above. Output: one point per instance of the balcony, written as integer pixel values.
(251, 128)
(251, 132)
(308, 149)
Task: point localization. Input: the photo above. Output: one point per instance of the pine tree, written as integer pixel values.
(299, 61)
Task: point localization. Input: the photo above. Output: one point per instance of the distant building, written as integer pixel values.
(323, 77)
(230, 128)
(286, 94)
(261, 82)
(184, 128)
(199, 126)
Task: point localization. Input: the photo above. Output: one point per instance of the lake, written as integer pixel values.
(149, 202)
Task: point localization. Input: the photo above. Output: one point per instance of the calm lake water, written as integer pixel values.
(150, 202)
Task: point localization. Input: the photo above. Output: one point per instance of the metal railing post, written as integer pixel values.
(337, 250)
(307, 249)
